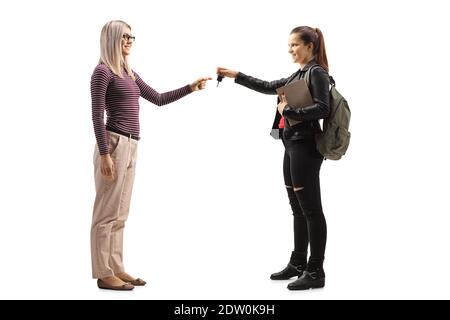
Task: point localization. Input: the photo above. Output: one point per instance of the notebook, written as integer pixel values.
(297, 96)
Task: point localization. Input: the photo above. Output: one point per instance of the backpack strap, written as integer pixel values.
(308, 75)
(333, 83)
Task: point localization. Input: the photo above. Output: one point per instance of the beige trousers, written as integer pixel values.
(111, 207)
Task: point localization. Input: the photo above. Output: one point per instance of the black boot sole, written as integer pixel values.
(283, 278)
(318, 285)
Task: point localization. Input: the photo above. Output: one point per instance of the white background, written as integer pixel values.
(209, 216)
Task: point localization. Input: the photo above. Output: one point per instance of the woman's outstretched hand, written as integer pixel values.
(199, 84)
(227, 72)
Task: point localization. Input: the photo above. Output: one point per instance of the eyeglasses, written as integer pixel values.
(129, 37)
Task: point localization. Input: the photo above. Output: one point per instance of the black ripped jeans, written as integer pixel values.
(301, 168)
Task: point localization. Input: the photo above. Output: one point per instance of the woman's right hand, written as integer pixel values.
(227, 72)
(107, 166)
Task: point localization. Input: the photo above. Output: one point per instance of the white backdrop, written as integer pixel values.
(209, 216)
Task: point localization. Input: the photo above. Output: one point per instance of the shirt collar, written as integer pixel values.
(309, 64)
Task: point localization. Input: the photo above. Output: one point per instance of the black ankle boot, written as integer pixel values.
(309, 280)
(295, 267)
(288, 272)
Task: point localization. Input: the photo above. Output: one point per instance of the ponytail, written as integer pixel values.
(321, 54)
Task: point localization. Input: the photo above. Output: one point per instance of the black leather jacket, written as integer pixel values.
(319, 83)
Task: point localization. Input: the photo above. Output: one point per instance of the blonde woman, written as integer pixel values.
(116, 88)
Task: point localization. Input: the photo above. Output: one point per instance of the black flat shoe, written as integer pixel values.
(288, 272)
(308, 280)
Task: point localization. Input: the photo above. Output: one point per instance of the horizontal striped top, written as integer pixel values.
(120, 98)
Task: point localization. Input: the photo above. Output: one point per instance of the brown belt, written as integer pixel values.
(129, 135)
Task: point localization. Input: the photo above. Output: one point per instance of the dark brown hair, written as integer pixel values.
(309, 35)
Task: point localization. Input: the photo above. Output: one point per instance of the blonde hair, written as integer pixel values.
(111, 48)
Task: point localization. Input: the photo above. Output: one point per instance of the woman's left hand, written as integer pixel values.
(282, 104)
(199, 84)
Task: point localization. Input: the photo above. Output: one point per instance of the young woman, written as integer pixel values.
(116, 88)
(302, 161)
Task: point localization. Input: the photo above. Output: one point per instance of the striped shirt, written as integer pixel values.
(120, 98)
